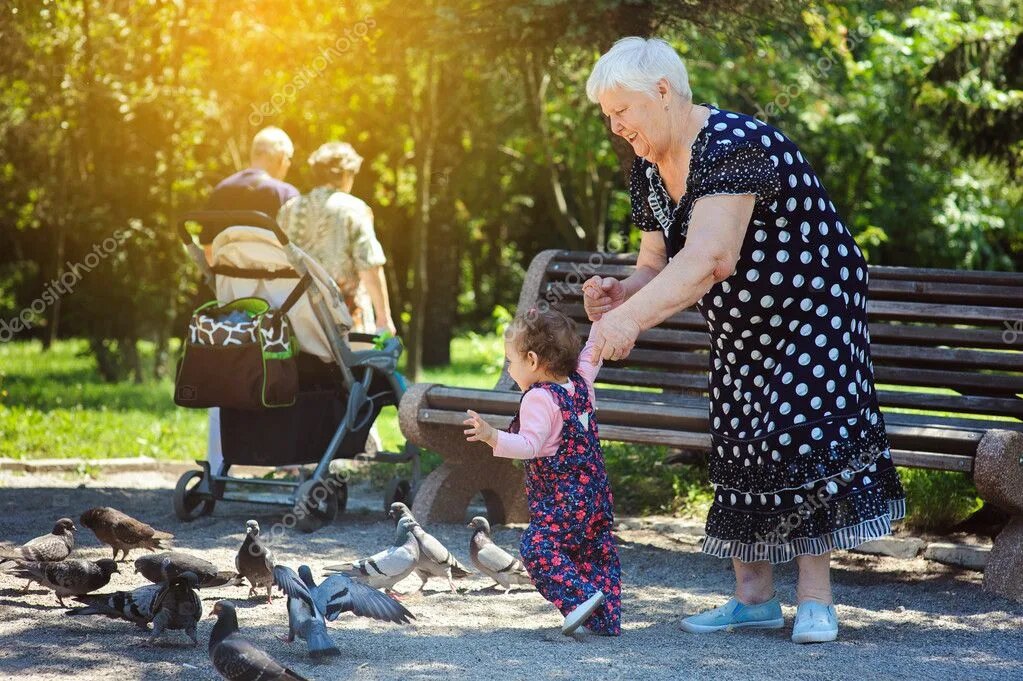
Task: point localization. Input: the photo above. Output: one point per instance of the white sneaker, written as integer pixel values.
(582, 612)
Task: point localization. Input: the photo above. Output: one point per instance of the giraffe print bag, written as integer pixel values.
(239, 355)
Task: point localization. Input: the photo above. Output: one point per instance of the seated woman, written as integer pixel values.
(336, 229)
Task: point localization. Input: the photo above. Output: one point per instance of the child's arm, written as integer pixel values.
(589, 361)
(537, 418)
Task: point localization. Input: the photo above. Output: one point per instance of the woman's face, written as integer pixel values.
(640, 119)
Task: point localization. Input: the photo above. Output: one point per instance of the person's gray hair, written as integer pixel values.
(333, 159)
(271, 142)
(637, 64)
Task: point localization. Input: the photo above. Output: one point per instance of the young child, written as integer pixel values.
(567, 548)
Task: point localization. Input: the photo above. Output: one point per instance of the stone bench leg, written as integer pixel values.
(469, 469)
(446, 493)
(998, 474)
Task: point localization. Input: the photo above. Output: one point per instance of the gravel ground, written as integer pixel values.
(900, 619)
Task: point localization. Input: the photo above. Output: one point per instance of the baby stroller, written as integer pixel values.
(341, 390)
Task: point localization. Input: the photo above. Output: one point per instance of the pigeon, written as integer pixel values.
(492, 560)
(123, 533)
(48, 548)
(255, 562)
(311, 605)
(171, 605)
(388, 567)
(434, 559)
(151, 567)
(237, 659)
(305, 618)
(72, 577)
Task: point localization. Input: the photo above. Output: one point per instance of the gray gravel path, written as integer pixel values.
(901, 619)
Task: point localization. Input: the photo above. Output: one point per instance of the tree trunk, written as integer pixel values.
(425, 142)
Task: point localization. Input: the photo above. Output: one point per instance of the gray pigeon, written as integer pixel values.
(310, 605)
(48, 548)
(388, 567)
(492, 560)
(72, 577)
(123, 533)
(255, 562)
(434, 558)
(151, 567)
(237, 659)
(171, 605)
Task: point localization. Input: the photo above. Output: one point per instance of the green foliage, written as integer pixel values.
(643, 484)
(937, 500)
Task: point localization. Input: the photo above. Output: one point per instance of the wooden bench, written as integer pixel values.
(948, 341)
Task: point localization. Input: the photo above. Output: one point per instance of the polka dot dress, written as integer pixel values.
(800, 460)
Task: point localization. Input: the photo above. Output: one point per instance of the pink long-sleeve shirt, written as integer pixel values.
(540, 417)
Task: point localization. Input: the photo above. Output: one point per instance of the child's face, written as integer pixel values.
(524, 369)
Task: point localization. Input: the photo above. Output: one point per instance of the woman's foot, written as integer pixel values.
(582, 612)
(736, 615)
(815, 623)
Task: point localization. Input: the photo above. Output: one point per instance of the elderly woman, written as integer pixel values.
(736, 221)
(336, 229)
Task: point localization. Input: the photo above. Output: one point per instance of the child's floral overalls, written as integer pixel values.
(568, 548)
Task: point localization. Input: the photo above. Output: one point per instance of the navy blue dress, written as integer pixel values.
(800, 462)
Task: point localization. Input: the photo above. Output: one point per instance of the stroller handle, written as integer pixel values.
(230, 218)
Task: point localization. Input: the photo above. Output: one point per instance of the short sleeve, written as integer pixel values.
(739, 169)
(366, 250)
(639, 190)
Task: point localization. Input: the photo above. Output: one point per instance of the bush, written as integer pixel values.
(937, 500)
(643, 484)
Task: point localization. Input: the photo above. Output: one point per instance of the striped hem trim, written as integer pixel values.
(844, 538)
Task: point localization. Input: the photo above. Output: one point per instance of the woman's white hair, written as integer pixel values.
(637, 64)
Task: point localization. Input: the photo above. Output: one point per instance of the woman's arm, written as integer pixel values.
(603, 294)
(376, 285)
(713, 243)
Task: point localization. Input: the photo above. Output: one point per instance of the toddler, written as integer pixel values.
(567, 548)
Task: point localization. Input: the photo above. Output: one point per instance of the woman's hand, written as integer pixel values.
(601, 295)
(614, 336)
(479, 430)
(387, 328)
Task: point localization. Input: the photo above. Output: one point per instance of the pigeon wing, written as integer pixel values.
(340, 593)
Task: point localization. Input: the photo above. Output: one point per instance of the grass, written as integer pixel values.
(54, 405)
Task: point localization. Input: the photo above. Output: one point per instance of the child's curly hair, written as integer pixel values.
(551, 335)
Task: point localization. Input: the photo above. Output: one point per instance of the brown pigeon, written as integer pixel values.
(72, 577)
(235, 657)
(151, 566)
(255, 562)
(48, 548)
(123, 533)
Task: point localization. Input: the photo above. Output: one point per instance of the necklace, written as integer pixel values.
(659, 199)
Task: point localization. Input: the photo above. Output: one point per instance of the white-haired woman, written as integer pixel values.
(336, 228)
(736, 221)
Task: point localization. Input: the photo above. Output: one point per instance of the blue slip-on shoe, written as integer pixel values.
(736, 615)
(815, 623)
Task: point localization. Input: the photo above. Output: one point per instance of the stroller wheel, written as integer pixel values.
(189, 502)
(316, 504)
(397, 490)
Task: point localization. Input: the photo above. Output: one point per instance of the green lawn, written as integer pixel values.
(54, 405)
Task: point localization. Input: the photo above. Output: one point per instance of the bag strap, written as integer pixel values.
(296, 293)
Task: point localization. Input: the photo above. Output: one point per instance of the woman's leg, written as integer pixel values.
(814, 579)
(754, 582)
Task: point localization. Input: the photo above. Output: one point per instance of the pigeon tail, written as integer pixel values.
(319, 641)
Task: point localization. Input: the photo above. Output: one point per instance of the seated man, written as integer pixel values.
(260, 187)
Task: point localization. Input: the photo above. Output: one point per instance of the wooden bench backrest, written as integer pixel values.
(941, 340)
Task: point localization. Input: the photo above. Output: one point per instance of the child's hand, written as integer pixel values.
(479, 430)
